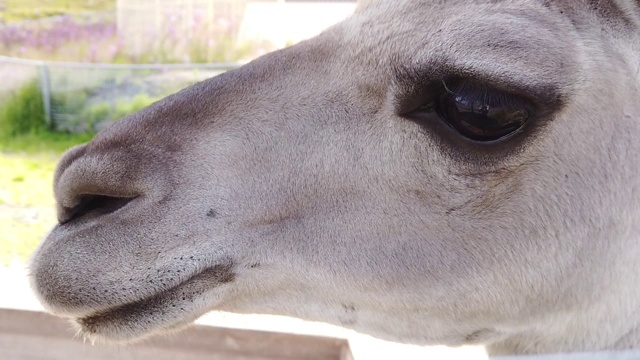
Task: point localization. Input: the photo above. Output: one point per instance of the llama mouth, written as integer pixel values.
(168, 310)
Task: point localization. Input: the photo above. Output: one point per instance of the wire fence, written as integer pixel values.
(186, 41)
(78, 97)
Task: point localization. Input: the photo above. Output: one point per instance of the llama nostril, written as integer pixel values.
(93, 204)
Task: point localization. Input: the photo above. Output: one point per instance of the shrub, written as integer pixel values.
(67, 109)
(70, 102)
(22, 111)
(96, 113)
(129, 106)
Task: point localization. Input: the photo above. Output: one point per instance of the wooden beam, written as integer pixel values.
(36, 335)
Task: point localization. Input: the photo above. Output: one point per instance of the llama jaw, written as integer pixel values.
(168, 310)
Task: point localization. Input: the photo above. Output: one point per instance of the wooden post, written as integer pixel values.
(45, 88)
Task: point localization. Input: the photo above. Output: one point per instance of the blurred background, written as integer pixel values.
(68, 68)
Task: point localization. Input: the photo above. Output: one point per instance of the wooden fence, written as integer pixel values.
(36, 335)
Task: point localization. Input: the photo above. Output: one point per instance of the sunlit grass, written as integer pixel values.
(43, 143)
(26, 179)
(27, 163)
(32, 9)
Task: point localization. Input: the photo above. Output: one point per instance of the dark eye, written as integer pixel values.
(479, 113)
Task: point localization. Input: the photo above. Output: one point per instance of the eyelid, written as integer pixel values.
(471, 92)
(411, 98)
(414, 84)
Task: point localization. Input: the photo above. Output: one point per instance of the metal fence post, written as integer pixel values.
(45, 87)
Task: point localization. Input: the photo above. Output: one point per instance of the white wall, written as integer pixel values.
(140, 22)
(284, 23)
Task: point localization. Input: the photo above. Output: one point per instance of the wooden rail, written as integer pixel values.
(38, 336)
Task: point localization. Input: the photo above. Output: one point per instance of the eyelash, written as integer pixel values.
(482, 93)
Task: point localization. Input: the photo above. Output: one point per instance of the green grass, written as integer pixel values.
(33, 9)
(45, 142)
(27, 163)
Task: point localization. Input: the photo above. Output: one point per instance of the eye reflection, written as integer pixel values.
(481, 114)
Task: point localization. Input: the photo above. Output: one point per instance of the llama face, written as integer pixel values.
(428, 172)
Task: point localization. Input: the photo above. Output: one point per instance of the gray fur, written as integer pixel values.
(296, 186)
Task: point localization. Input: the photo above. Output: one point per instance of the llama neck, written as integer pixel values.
(609, 320)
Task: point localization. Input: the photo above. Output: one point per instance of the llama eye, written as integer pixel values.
(480, 114)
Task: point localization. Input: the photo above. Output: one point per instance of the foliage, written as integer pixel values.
(68, 38)
(125, 106)
(96, 113)
(17, 10)
(76, 112)
(95, 39)
(22, 112)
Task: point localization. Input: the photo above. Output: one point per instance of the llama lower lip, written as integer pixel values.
(171, 308)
